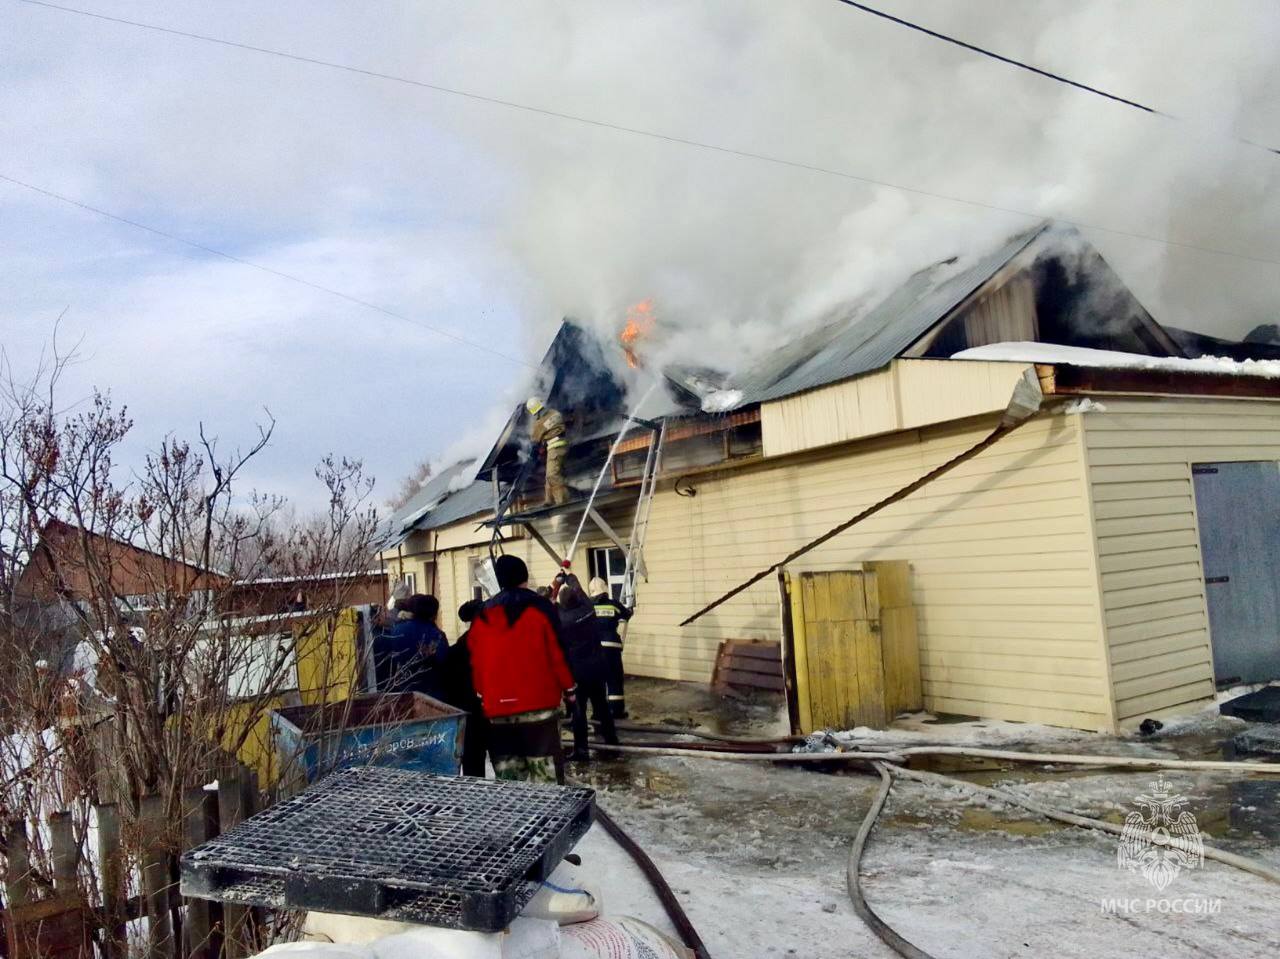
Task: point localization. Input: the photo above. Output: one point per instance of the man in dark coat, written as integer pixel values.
(520, 674)
(460, 692)
(580, 634)
(612, 614)
(409, 656)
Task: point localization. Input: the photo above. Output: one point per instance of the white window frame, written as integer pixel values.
(599, 565)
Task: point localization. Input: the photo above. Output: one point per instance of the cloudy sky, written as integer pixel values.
(489, 223)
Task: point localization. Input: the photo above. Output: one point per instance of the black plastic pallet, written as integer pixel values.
(397, 844)
(1260, 706)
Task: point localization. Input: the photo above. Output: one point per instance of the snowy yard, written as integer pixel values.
(758, 854)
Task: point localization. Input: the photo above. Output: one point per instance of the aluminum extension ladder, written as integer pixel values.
(640, 524)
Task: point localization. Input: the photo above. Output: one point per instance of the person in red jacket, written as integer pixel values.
(520, 674)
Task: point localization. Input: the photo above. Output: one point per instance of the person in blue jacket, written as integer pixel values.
(410, 656)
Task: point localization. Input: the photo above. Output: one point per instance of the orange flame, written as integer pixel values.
(640, 320)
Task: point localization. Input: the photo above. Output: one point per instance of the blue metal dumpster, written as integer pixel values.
(401, 730)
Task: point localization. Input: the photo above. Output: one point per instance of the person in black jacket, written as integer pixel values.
(612, 614)
(460, 693)
(580, 635)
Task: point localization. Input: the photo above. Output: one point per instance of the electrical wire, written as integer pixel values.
(293, 278)
(641, 132)
(1031, 68)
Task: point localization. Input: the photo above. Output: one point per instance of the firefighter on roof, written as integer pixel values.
(548, 429)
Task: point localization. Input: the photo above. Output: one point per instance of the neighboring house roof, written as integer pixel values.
(852, 345)
(131, 569)
(312, 578)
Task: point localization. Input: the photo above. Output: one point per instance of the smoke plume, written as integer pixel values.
(736, 253)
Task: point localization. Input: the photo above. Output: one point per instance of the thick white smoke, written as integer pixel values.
(735, 252)
(494, 223)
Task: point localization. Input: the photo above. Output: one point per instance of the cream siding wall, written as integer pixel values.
(1139, 456)
(906, 395)
(454, 584)
(1001, 551)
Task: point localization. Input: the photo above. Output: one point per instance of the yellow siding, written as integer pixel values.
(1004, 575)
(469, 532)
(458, 545)
(906, 395)
(1139, 455)
(399, 565)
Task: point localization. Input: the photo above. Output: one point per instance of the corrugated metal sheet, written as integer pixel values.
(854, 345)
(475, 499)
(435, 505)
(436, 489)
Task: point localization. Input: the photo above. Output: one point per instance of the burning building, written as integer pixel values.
(1099, 566)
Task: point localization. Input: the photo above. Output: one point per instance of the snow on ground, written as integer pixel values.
(1109, 359)
(758, 853)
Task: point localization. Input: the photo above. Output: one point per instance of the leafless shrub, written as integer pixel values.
(123, 676)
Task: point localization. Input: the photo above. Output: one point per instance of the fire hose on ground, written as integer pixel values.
(904, 947)
(897, 755)
(888, 765)
(679, 918)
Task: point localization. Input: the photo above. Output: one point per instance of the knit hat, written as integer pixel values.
(597, 586)
(511, 572)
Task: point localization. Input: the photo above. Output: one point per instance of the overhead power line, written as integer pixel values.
(213, 251)
(1029, 67)
(640, 132)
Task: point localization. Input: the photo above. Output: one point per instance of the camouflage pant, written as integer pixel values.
(557, 492)
(527, 746)
(532, 769)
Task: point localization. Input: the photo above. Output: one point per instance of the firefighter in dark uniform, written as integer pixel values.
(611, 614)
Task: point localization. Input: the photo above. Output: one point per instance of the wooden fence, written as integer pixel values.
(112, 892)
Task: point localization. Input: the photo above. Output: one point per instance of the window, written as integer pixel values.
(410, 580)
(609, 563)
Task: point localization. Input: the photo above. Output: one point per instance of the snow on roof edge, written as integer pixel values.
(1052, 353)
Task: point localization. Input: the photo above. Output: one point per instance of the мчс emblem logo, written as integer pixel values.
(1160, 838)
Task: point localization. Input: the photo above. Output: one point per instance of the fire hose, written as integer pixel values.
(887, 765)
(729, 753)
(679, 918)
(888, 773)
